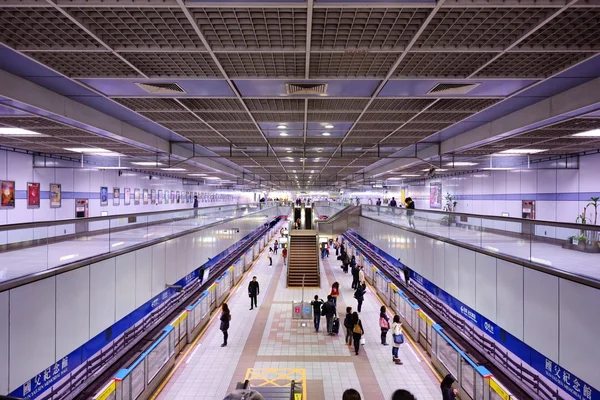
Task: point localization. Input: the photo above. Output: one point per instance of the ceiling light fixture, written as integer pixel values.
(283, 134)
(328, 126)
(96, 150)
(196, 174)
(173, 169)
(326, 134)
(18, 132)
(436, 170)
(592, 133)
(148, 163)
(215, 178)
(289, 151)
(282, 126)
(460, 164)
(522, 151)
(408, 175)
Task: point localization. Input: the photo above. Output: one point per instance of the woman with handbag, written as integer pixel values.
(357, 331)
(398, 339)
(225, 318)
(384, 324)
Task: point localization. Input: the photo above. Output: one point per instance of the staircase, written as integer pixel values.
(303, 259)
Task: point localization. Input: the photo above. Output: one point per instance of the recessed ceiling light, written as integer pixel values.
(460, 164)
(17, 132)
(88, 150)
(522, 151)
(173, 169)
(289, 151)
(312, 171)
(408, 175)
(394, 179)
(283, 134)
(213, 178)
(196, 174)
(592, 133)
(329, 126)
(326, 134)
(281, 126)
(437, 170)
(148, 163)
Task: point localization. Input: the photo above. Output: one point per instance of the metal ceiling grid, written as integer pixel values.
(531, 65)
(398, 117)
(85, 65)
(186, 126)
(161, 117)
(275, 105)
(214, 105)
(206, 140)
(426, 126)
(480, 28)
(140, 28)
(30, 122)
(332, 116)
(408, 133)
(263, 65)
(357, 65)
(211, 117)
(462, 105)
(437, 64)
(184, 64)
(402, 105)
(42, 29)
(365, 28)
(326, 105)
(360, 138)
(451, 117)
(376, 126)
(577, 28)
(278, 117)
(252, 28)
(148, 104)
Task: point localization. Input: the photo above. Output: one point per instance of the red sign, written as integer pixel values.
(33, 194)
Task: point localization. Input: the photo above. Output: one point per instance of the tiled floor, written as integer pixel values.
(541, 253)
(270, 338)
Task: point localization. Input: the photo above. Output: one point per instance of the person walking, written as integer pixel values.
(410, 212)
(393, 205)
(359, 295)
(317, 305)
(351, 394)
(329, 311)
(335, 292)
(225, 318)
(384, 324)
(378, 204)
(284, 253)
(253, 292)
(361, 275)
(357, 331)
(270, 259)
(355, 272)
(195, 206)
(398, 339)
(275, 246)
(448, 393)
(348, 324)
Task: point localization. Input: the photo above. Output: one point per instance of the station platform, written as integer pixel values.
(268, 347)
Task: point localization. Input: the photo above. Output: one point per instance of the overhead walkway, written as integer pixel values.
(537, 242)
(32, 248)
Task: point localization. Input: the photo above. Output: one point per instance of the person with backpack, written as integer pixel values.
(348, 324)
(328, 310)
(357, 331)
(317, 305)
(384, 324)
(225, 318)
(359, 295)
(398, 339)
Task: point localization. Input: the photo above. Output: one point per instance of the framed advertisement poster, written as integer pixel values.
(103, 196)
(7, 194)
(33, 195)
(172, 196)
(55, 195)
(116, 196)
(136, 197)
(167, 196)
(127, 196)
(145, 196)
(178, 197)
(435, 195)
(153, 196)
(160, 198)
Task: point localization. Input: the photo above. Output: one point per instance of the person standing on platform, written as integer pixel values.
(359, 295)
(448, 393)
(253, 292)
(329, 311)
(398, 339)
(275, 246)
(357, 331)
(225, 318)
(361, 275)
(384, 324)
(335, 292)
(270, 259)
(355, 272)
(195, 206)
(348, 324)
(410, 212)
(393, 205)
(317, 306)
(284, 253)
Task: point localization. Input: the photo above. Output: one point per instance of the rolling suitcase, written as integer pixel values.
(336, 325)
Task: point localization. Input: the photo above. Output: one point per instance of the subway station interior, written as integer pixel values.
(192, 194)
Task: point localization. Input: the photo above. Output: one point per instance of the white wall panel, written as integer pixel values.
(546, 181)
(485, 286)
(190, 264)
(158, 268)
(4, 321)
(541, 312)
(181, 255)
(171, 274)
(424, 255)
(72, 310)
(125, 285)
(466, 275)
(32, 310)
(102, 295)
(451, 270)
(143, 276)
(439, 261)
(509, 306)
(528, 182)
(567, 181)
(579, 327)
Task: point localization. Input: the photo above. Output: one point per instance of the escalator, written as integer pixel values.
(308, 218)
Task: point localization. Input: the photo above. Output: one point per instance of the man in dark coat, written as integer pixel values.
(355, 272)
(253, 292)
(329, 311)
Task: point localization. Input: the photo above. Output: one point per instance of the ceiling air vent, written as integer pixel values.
(161, 88)
(453, 88)
(305, 88)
